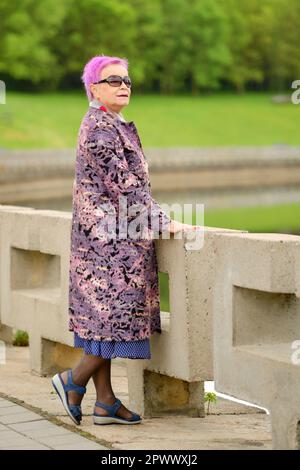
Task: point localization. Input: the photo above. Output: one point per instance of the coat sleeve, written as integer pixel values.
(107, 157)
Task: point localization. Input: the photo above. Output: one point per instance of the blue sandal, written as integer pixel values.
(111, 417)
(74, 411)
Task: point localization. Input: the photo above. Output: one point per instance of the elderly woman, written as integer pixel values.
(113, 292)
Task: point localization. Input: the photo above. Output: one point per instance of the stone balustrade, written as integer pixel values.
(234, 315)
(256, 318)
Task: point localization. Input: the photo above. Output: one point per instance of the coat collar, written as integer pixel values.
(114, 118)
(110, 114)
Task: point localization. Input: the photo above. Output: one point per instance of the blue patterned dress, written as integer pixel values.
(138, 349)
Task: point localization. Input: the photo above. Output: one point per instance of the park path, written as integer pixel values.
(21, 428)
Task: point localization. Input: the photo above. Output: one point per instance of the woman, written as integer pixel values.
(113, 292)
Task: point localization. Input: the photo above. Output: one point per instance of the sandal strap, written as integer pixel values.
(71, 386)
(76, 411)
(112, 409)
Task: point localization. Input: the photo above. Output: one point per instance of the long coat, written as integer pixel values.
(113, 282)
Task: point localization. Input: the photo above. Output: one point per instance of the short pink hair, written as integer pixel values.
(93, 68)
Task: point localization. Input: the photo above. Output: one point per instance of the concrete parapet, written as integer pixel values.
(256, 312)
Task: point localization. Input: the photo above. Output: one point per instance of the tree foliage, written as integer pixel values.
(171, 45)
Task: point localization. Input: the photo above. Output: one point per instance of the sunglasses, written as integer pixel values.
(116, 80)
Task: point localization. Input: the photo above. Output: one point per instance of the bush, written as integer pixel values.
(21, 338)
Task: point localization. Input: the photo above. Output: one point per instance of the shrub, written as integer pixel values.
(21, 338)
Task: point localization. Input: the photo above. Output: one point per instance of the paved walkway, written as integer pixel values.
(44, 422)
(21, 428)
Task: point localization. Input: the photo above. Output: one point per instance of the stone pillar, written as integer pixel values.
(285, 429)
(49, 357)
(152, 394)
(6, 333)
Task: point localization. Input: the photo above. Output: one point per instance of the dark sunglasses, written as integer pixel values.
(116, 80)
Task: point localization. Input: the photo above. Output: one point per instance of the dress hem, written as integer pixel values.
(104, 339)
(112, 349)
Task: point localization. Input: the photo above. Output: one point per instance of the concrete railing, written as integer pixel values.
(246, 285)
(256, 312)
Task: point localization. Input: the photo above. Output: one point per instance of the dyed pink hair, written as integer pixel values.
(93, 68)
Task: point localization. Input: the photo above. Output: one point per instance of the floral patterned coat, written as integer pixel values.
(113, 283)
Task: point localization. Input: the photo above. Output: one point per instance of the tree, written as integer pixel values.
(26, 30)
(194, 41)
(284, 51)
(94, 28)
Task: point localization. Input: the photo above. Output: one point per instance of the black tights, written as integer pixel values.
(98, 368)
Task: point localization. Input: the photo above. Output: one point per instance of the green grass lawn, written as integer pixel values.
(52, 120)
(278, 218)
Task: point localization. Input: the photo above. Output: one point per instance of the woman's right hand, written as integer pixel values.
(176, 226)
